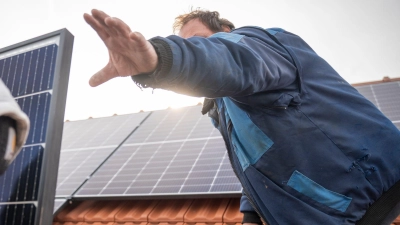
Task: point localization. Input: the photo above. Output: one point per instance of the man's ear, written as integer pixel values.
(226, 29)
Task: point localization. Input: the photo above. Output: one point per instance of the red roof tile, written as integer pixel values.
(207, 211)
(135, 210)
(384, 80)
(170, 211)
(68, 223)
(232, 214)
(130, 223)
(104, 211)
(75, 212)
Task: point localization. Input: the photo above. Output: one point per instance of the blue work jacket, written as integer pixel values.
(306, 146)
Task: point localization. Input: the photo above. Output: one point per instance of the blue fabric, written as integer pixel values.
(245, 205)
(243, 135)
(311, 189)
(273, 31)
(228, 36)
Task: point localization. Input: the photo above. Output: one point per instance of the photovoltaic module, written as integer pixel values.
(36, 73)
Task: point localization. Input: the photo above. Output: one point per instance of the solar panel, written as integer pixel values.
(58, 204)
(389, 102)
(87, 143)
(174, 152)
(36, 72)
(385, 96)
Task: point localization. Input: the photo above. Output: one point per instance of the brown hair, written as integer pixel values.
(208, 18)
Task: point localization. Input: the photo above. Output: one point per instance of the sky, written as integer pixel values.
(359, 38)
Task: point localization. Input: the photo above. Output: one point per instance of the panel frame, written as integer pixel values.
(48, 176)
(153, 196)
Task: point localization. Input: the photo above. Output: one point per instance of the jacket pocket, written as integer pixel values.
(249, 142)
(318, 193)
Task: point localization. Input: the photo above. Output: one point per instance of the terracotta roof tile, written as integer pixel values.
(165, 223)
(232, 214)
(203, 224)
(136, 210)
(384, 80)
(68, 223)
(104, 211)
(130, 223)
(75, 212)
(98, 223)
(207, 210)
(170, 211)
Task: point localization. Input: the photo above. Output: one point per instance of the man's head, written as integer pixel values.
(201, 23)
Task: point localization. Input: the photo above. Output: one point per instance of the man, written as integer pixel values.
(14, 127)
(305, 145)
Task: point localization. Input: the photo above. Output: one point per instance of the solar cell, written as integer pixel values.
(23, 214)
(87, 144)
(19, 183)
(368, 93)
(389, 102)
(174, 152)
(36, 72)
(386, 97)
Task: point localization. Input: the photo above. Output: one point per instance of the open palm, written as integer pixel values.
(130, 53)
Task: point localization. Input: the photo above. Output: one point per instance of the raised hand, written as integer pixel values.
(130, 53)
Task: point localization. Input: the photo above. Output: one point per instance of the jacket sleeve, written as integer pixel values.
(225, 64)
(249, 215)
(9, 108)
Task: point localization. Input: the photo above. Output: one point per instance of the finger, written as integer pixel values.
(120, 26)
(104, 75)
(96, 26)
(111, 26)
(138, 38)
(101, 16)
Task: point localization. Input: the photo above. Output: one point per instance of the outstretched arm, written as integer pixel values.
(130, 53)
(241, 63)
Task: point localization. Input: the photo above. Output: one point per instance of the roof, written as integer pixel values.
(204, 210)
(384, 80)
(173, 211)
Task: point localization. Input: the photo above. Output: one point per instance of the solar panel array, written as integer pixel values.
(36, 73)
(174, 152)
(385, 96)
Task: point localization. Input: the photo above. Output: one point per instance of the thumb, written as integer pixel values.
(104, 75)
